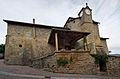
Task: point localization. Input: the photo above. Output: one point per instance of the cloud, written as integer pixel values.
(56, 12)
(114, 50)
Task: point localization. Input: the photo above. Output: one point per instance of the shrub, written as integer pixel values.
(100, 58)
(62, 62)
(2, 48)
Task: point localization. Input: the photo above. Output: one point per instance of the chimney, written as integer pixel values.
(33, 20)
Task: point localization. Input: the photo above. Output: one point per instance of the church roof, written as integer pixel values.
(70, 19)
(30, 24)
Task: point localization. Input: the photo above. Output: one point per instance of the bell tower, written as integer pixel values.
(86, 14)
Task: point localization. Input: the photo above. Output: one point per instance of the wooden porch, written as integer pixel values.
(66, 38)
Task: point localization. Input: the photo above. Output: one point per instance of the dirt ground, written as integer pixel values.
(25, 72)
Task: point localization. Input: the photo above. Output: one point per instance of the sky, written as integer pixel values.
(56, 12)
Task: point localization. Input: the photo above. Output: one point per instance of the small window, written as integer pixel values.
(73, 21)
(20, 45)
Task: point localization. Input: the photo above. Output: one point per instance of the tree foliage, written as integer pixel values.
(2, 48)
(85, 42)
(100, 58)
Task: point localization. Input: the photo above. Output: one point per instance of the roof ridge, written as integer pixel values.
(31, 24)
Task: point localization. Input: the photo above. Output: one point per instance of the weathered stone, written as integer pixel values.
(30, 48)
(113, 66)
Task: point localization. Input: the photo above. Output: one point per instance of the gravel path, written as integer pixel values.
(25, 72)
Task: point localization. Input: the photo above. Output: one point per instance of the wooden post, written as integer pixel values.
(85, 43)
(56, 41)
(85, 46)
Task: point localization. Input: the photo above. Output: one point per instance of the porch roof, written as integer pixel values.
(66, 36)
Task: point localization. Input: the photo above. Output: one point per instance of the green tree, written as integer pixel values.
(2, 48)
(99, 58)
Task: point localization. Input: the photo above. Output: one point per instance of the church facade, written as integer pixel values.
(25, 41)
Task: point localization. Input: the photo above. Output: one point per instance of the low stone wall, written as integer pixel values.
(44, 62)
(81, 63)
(113, 66)
(13, 61)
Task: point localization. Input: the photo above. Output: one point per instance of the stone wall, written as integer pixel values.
(19, 49)
(93, 38)
(81, 63)
(105, 47)
(42, 46)
(75, 24)
(47, 62)
(113, 66)
(15, 37)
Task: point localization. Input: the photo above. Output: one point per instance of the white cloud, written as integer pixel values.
(56, 12)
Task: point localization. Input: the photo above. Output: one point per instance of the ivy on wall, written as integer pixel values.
(85, 42)
(99, 58)
(71, 59)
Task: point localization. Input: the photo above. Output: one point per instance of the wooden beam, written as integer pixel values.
(56, 41)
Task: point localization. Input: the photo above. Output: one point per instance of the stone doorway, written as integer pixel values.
(27, 55)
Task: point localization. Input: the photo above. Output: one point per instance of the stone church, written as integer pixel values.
(79, 36)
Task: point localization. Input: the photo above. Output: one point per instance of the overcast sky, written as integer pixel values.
(56, 12)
